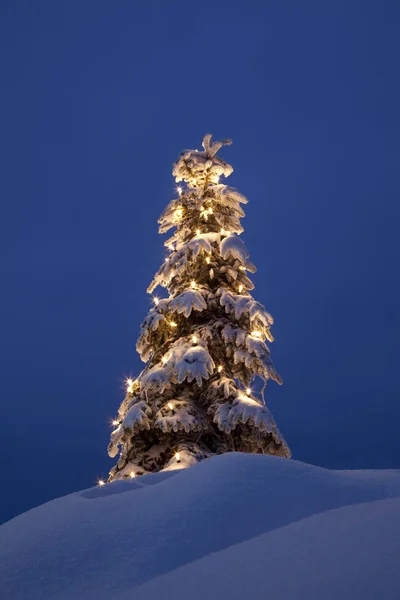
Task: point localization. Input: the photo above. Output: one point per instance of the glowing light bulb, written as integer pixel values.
(240, 288)
(208, 260)
(193, 284)
(171, 247)
(219, 369)
(173, 324)
(194, 181)
(170, 406)
(166, 259)
(178, 457)
(179, 190)
(156, 300)
(132, 474)
(164, 360)
(194, 339)
(115, 423)
(198, 231)
(178, 213)
(101, 482)
(242, 268)
(256, 334)
(222, 231)
(129, 386)
(210, 211)
(248, 391)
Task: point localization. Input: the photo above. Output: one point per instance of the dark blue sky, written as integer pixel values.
(98, 98)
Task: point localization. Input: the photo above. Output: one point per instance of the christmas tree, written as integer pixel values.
(205, 343)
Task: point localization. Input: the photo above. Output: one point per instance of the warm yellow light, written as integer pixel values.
(256, 334)
(194, 181)
(178, 457)
(164, 360)
(115, 423)
(171, 247)
(222, 231)
(173, 324)
(179, 190)
(194, 339)
(193, 284)
(166, 259)
(156, 300)
(208, 260)
(132, 474)
(178, 213)
(198, 231)
(248, 391)
(100, 482)
(129, 386)
(242, 268)
(240, 288)
(170, 406)
(210, 210)
(219, 369)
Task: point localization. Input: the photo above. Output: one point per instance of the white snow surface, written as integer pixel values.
(234, 526)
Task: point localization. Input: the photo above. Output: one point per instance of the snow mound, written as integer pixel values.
(349, 553)
(260, 514)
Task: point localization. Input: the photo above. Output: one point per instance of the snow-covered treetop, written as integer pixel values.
(205, 342)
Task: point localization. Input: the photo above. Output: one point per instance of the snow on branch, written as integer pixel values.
(137, 417)
(243, 410)
(239, 305)
(157, 379)
(196, 167)
(233, 247)
(187, 301)
(179, 415)
(195, 364)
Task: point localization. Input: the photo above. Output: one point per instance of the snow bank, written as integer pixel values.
(257, 514)
(350, 553)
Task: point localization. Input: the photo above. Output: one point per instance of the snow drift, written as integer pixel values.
(235, 525)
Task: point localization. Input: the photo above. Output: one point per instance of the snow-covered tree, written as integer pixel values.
(205, 343)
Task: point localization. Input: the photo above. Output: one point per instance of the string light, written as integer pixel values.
(173, 324)
(132, 474)
(166, 259)
(242, 268)
(178, 213)
(179, 190)
(156, 300)
(219, 369)
(194, 181)
(222, 231)
(193, 284)
(198, 231)
(248, 391)
(256, 334)
(170, 406)
(194, 339)
(240, 288)
(171, 247)
(178, 457)
(164, 360)
(210, 211)
(129, 386)
(115, 423)
(208, 260)
(101, 482)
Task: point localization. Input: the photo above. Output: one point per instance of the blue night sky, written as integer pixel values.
(98, 99)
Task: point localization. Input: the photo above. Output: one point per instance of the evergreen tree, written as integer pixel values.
(204, 344)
